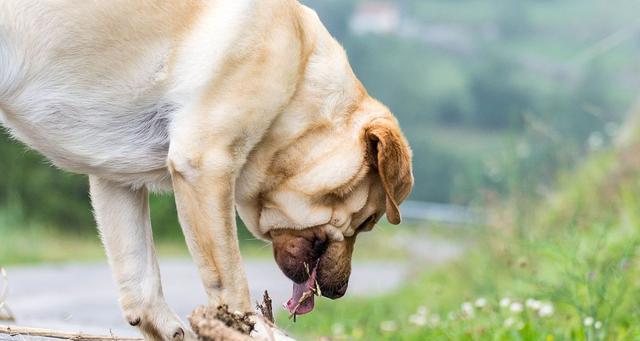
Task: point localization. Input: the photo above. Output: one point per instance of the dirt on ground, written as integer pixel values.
(219, 324)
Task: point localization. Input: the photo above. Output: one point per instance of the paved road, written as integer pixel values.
(82, 297)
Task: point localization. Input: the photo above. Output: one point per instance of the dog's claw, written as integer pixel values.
(178, 335)
(135, 322)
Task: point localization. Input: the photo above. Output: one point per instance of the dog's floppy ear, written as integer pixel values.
(389, 153)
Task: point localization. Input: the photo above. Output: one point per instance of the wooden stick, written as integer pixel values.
(26, 331)
(266, 308)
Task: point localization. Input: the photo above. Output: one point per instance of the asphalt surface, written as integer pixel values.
(83, 298)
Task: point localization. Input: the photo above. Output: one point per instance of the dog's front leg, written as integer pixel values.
(203, 182)
(122, 215)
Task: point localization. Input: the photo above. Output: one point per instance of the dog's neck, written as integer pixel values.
(324, 97)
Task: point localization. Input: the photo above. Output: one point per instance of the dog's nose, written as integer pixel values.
(297, 252)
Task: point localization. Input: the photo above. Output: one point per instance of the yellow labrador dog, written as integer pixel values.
(232, 104)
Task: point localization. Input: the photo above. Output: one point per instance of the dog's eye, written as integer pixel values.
(368, 224)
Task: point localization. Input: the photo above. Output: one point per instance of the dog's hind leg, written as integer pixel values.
(123, 218)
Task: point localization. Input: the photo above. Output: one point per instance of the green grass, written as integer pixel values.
(578, 252)
(33, 246)
(40, 245)
(37, 244)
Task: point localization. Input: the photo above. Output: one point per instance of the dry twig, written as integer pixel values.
(266, 307)
(25, 331)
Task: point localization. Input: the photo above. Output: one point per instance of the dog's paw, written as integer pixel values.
(172, 331)
(159, 324)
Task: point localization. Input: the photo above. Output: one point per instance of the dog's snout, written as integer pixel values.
(297, 252)
(308, 250)
(293, 248)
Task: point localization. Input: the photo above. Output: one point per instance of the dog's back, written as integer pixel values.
(11, 62)
(93, 85)
(84, 82)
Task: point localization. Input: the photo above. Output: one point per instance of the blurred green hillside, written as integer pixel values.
(495, 96)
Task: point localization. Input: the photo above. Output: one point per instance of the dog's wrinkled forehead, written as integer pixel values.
(338, 215)
(320, 162)
(320, 182)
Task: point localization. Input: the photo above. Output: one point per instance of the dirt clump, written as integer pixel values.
(219, 324)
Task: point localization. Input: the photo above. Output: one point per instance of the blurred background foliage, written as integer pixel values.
(495, 96)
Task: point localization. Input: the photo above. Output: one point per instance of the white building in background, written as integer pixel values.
(386, 17)
(377, 17)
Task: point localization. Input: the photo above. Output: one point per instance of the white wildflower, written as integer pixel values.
(467, 309)
(505, 302)
(418, 320)
(422, 310)
(588, 321)
(546, 310)
(533, 304)
(481, 302)
(516, 307)
(389, 326)
(597, 325)
(509, 322)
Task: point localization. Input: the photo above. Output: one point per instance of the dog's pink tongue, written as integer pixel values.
(307, 305)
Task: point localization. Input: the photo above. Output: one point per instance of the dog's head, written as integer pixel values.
(325, 187)
(334, 162)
